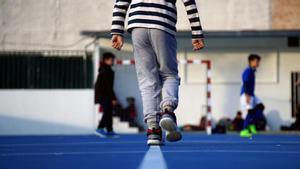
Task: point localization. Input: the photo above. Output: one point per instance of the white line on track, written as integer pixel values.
(135, 142)
(69, 153)
(233, 151)
(153, 159)
(70, 143)
(154, 153)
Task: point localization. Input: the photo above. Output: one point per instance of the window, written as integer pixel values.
(43, 70)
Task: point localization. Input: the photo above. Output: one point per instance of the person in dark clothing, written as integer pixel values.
(130, 110)
(130, 114)
(296, 125)
(260, 119)
(238, 122)
(105, 95)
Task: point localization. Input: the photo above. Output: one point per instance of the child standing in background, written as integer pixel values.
(105, 95)
(250, 103)
(152, 26)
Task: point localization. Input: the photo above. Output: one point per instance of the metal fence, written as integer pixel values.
(44, 70)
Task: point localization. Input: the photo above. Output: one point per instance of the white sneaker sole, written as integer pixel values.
(155, 143)
(172, 133)
(100, 135)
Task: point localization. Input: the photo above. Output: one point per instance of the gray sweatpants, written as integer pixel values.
(157, 70)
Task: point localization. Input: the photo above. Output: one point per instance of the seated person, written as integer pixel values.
(238, 122)
(296, 125)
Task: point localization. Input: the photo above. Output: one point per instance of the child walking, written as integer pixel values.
(152, 26)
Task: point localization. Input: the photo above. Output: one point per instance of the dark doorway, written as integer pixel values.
(295, 92)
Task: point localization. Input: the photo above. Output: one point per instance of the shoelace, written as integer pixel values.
(154, 131)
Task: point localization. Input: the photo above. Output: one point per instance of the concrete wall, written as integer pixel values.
(56, 24)
(51, 24)
(46, 112)
(230, 14)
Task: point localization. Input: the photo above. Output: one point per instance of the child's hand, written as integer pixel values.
(198, 44)
(114, 102)
(117, 42)
(248, 99)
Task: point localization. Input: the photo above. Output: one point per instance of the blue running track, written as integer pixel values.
(195, 151)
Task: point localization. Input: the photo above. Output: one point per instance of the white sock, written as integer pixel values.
(168, 108)
(152, 124)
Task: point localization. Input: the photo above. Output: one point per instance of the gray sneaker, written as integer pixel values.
(154, 137)
(169, 124)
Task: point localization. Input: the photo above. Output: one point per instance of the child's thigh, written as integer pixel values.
(247, 106)
(165, 47)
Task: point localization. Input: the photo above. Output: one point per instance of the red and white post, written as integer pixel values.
(208, 97)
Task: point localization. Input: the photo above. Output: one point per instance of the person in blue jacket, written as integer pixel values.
(250, 103)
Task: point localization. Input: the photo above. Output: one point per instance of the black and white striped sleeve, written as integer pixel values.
(193, 16)
(119, 15)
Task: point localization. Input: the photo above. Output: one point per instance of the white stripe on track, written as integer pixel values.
(139, 142)
(153, 159)
(67, 143)
(68, 153)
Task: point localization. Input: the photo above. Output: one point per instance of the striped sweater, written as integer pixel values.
(157, 14)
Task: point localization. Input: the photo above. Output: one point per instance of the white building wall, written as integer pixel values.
(229, 15)
(273, 79)
(46, 112)
(56, 24)
(275, 95)
(72, 111)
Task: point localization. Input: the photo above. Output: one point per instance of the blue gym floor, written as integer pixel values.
(195, 151)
